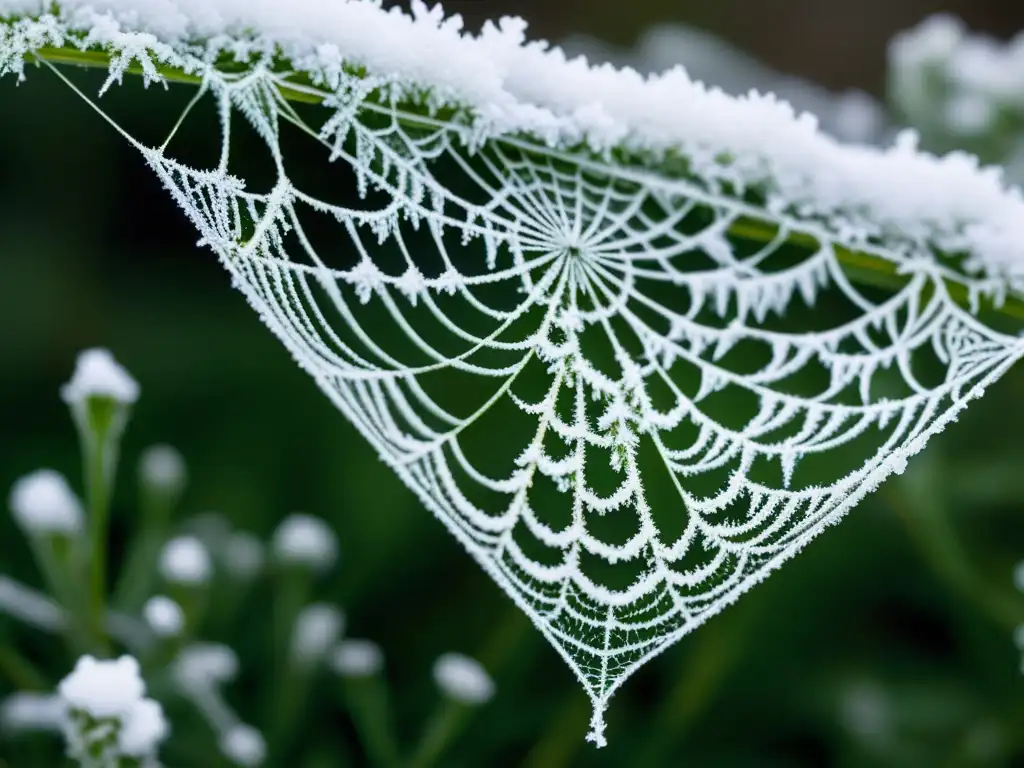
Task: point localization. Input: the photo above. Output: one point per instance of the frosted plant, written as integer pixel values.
(108, 722)
(961, 89)
(633, 341)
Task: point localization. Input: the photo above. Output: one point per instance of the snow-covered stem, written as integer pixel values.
(863, 267)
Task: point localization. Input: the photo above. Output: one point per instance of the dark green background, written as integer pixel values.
(902, 614)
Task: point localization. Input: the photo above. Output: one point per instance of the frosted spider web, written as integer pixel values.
(629, 394)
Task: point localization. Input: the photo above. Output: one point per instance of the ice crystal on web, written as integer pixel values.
(612, 332)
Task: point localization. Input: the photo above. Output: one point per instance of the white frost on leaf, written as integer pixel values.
(607, 328)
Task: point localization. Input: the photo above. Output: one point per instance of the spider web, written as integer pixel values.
(629, 396)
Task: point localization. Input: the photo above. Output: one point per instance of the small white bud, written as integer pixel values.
(243, 555)
(184, 560)
(101, 688)
(244, 745)
(357, 658)
(43, 503)
(203, 665)
(317, 629)
(1018, 576)
(98, 374)
(164, 616)
(29, 711)
(1018, 636)
(142, 729)
(162, 468)
(305, 540)
(463, 679)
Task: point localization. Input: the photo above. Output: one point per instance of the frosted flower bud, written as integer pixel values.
(244, 745)
(29, 711)
(305, 540)
(317, 629)
(463, 679)
(43, 503)
(98, 374)
(162, 468)
(185, 561)
(357, 658)
(243, 555)
(101, 688)
(205, 664)
(164, 616)
(1018, 576)
(143, 727)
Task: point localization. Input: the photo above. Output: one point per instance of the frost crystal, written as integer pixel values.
(305, 540)
(98, 374)
(43, 503)
(463, 679)
(144, 727)
(357, 658)
(164, 616)
(163, 468)
(185, 560)
(244, 745)
(317, 628)
(614, 332)
(202, 665)
(103, 688)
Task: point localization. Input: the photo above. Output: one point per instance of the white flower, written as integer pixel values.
(143, 727)
(163, 468)
(317, 629)
(243, 555)
(98, 374)
(184, 560)
(164, 616)
(357, 658)
(202, 665)
(305, 540)
(244, 745)
(463, 679)
(43, 503)
(29, 711)
(1018, 576)
(101, 688)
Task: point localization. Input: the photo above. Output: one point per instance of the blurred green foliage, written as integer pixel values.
(886, 643)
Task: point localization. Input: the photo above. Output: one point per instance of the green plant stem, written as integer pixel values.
(368, 703)
(53, 556)
(441, 731)
(98, 503)
(864, 268)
